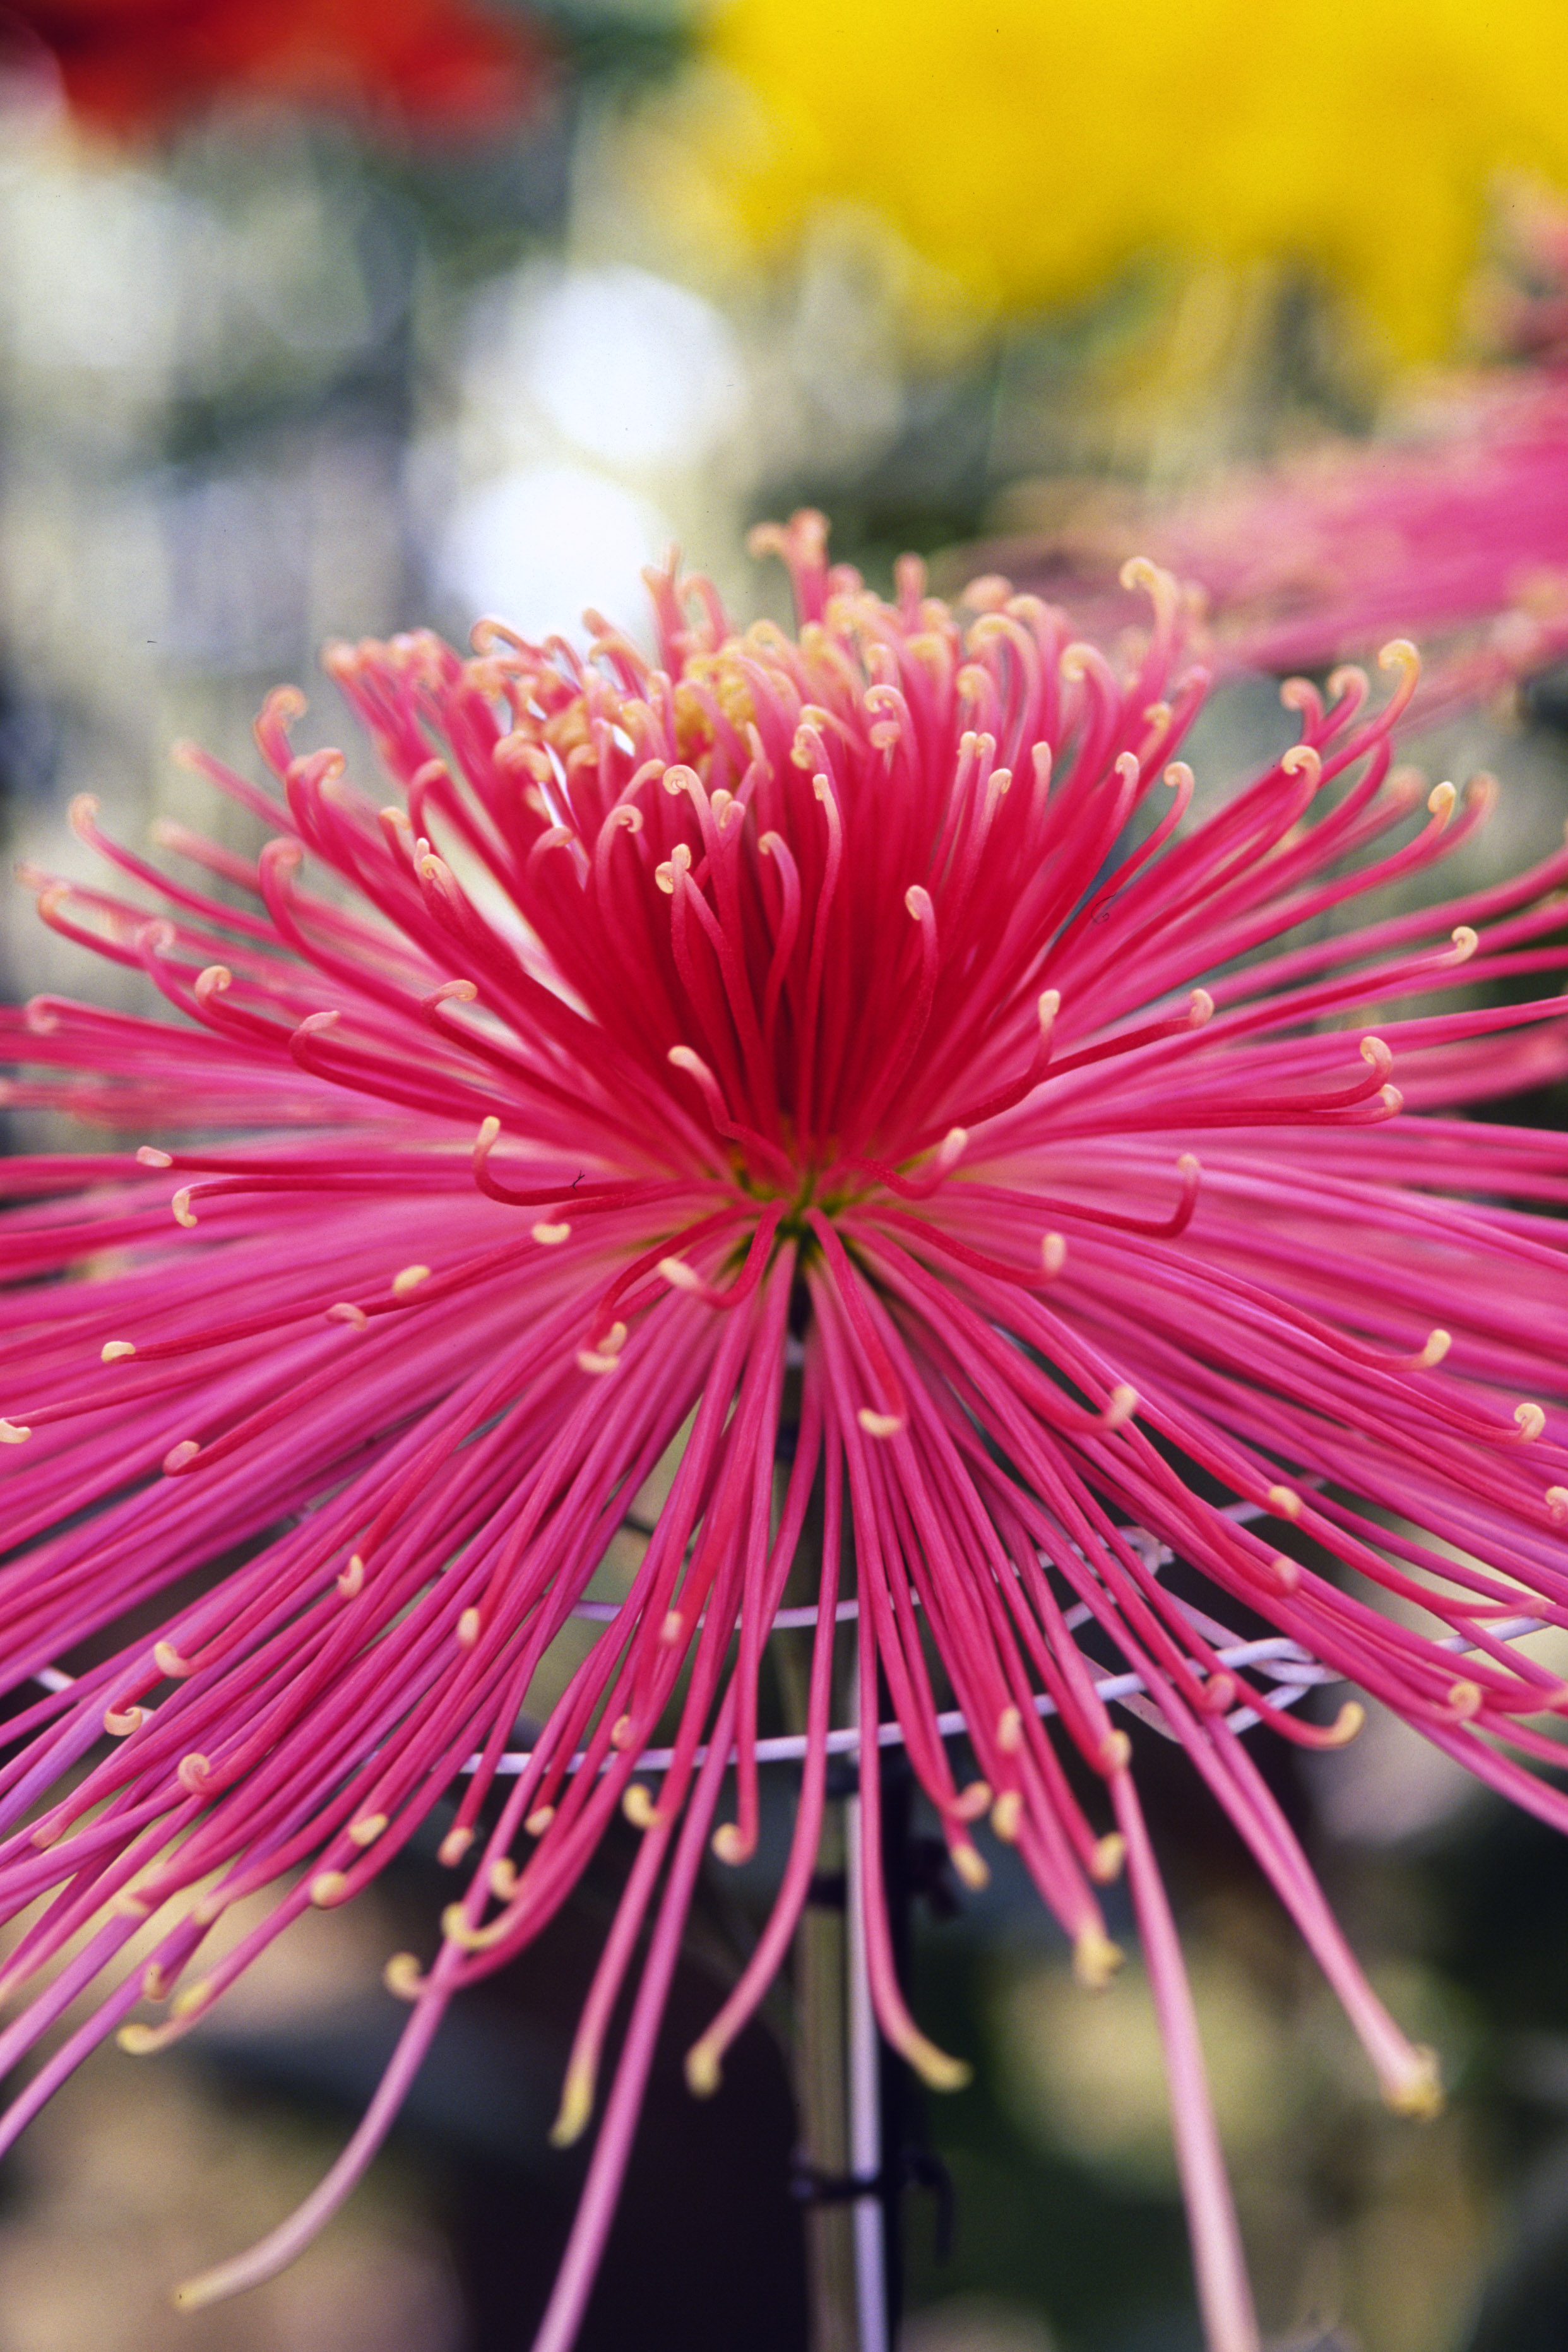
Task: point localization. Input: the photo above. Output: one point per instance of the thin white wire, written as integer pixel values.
(1295, 1672)
(605, 1613)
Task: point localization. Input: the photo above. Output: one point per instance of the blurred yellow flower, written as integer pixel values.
(1030, 148)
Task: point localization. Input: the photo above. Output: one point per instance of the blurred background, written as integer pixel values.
(322, 318)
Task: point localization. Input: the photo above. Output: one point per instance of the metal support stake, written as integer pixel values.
(865, 2089)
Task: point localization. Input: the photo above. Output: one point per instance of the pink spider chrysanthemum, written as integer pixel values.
(805, 1028)
(1454, 524)
(1442, 530)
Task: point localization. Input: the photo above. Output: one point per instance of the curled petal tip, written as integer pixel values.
(403, 1977)
(936, 2069)
(703, 2073)
(971, 1802)
(1006, 1815)
(1105, 1866)
(991, 591)
(1095, 1959)
(1120, 1407)
(1219, 1693)
(458, 1929)
(576, 2106)
(970, 1864)
(1417, 2091)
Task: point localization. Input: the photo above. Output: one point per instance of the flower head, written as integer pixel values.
(1033, 155)
(132, 67)
(1454, 522)
(837, 1053)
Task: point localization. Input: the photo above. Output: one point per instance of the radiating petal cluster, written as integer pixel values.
(1454, 524)
(841, 1053)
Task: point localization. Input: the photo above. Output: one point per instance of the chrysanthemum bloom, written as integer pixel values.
(1453, 521)
(135, 66)
(1359, 145)
(809, 1030)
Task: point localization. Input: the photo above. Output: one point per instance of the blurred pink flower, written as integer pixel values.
(1465, 521)
(1453, 525)
(805, 1030)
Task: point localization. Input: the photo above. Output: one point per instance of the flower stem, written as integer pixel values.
(838, 2092)
(821, 2069)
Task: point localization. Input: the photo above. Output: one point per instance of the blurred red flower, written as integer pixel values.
(130, 66)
